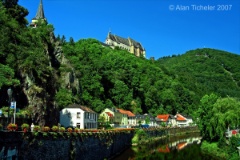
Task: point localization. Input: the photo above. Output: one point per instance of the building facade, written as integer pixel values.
(78, 116)
(128, 44)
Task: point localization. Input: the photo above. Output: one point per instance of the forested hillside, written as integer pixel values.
(207, 71)
(26, 65)
(46, 73)
(116, 78)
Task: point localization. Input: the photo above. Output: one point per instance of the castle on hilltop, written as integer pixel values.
(112, 40)
(40, 17)
(128, 44)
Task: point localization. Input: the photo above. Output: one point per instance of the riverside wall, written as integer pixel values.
(74, 146)
(67, 146)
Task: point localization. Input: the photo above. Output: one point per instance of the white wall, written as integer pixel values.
(68, 117)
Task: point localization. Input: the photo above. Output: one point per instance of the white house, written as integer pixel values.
(183, 120)
(78, 116)
(167, 119)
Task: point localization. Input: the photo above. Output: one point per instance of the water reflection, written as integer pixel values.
(186, 147)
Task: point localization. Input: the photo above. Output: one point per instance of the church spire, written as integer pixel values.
(40, 12)
(40, 17)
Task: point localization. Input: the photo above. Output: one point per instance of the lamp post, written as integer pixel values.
(9, 92)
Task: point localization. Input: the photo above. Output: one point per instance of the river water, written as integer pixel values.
(185, 147)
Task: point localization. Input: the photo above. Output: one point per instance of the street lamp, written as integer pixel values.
(9, 92)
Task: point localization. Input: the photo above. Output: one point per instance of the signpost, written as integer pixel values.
(13, 106)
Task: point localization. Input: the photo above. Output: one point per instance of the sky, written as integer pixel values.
(163, 27)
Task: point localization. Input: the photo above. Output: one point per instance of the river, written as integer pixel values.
(186, 147)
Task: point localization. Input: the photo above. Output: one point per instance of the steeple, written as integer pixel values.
(40, 12)
(39, 16)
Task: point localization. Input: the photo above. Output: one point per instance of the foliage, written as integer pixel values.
(12, 127)
(46, 129)
(214, 150)
(55, 128)
(62, 129)
(37, 128)
(147, 120)
(77, 130)
(139, 136)
(122, 80)
(25, 125)
(216, 115)
(69, 129)
(206, 71)
(64, 98)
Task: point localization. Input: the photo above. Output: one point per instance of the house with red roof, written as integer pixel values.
(131, 118)
(183, 120)
(118, 117)
(167, 119)
(112, 116)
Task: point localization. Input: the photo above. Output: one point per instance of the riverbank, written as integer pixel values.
(220, 153)
(143, 136)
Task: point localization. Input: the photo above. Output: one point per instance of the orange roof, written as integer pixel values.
(129, 113)
(109, 114)
(180, 118)
(164, 150)
(163, 117)
(181, 145)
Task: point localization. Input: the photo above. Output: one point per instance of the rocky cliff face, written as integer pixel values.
(40, 92)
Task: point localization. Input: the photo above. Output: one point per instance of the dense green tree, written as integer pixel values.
(64, 98)
(204, 114)
(226, 113)
(216, 114)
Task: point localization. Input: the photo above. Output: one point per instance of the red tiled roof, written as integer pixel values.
(180, 118)
(164, 149)
(129, 113)
(163, 117)
(109, 114)
(181, 145)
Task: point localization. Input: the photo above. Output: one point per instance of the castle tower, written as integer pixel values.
(39, 16)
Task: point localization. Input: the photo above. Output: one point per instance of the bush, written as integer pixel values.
(46, 129)
(36, 128)
(69, 129)
(12, 127)
(76, 130)
(55, 128)
(25, 125)
(62, 129)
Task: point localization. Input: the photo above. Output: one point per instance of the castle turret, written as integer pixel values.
(39, 16)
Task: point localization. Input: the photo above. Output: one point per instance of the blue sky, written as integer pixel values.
(163, 27)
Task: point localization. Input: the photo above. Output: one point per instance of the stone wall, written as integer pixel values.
(51, 146)
(89, 145)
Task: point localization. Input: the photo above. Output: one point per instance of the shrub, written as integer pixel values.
(76, 130)
(46, 129)
(25, 125)
(55, 128)
(69, 129)
(12, 127)
(62, 129)
(36, 128)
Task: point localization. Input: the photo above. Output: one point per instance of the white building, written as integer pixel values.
(78, 116)
(183, 120)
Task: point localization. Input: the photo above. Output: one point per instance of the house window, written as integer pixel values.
(78, 115)
(78, 125)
